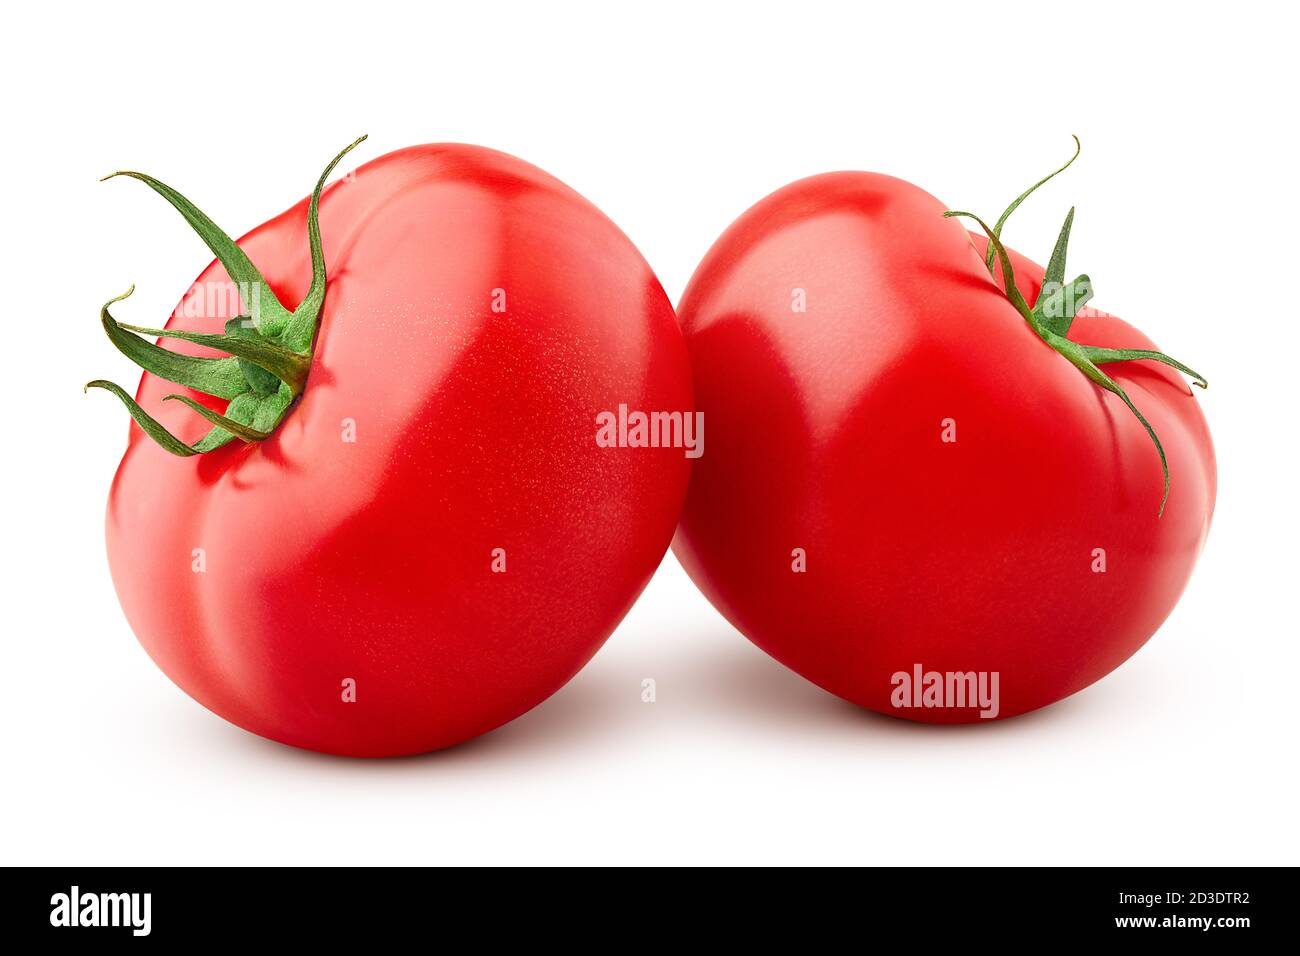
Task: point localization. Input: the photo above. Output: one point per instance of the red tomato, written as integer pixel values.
(961, 498)
(431, 542)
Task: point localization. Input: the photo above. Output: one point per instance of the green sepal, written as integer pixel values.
(1058, 309)
(264, 412)
(1103, 356)
(1008, 274)
(238, 429)
(1055, 273)
(262, 380)
(215, 376)
(301, 328)
(1080, 357)
(169, 442)
(1015, 203)
(1083, 357)
(238, 266)
(245, 344)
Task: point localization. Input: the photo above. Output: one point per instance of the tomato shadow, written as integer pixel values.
(717, 686)
(736, 682)
(595, 712)
(590, 714)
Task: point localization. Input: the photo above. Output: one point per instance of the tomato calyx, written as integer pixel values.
(268, 348)
(1058, 304)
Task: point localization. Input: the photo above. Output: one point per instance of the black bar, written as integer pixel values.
(1173, 907)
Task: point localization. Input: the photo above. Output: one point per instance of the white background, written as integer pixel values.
(673, 119)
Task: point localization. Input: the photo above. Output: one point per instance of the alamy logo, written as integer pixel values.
(922, 688)
(636, 429)
(102, 909)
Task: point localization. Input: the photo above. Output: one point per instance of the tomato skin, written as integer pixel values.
(371, 560)
(825, 433)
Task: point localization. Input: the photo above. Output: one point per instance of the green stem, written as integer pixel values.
(1015, 203)
(302, 326)
(1054, 312)
(267, 363)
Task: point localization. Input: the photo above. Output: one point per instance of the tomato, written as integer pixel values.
(905, 482)
(428, 540)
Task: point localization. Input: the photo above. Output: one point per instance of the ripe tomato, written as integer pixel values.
(430, 542)
(903, 478)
